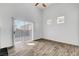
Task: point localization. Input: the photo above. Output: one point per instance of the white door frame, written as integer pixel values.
(32, 31)
(13, 19)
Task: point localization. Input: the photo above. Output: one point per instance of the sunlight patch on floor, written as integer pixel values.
(30, 43)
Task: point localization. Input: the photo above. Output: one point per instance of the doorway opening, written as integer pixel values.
(23, 31)
(22, 35)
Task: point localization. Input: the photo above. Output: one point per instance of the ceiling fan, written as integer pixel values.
(43, 4)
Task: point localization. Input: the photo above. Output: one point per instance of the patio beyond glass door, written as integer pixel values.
(23, 31)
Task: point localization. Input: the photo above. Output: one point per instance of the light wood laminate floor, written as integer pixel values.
(43, 48)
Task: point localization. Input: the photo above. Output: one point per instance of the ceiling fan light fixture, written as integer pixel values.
(44, 5)
(36, 4)
(41, 4)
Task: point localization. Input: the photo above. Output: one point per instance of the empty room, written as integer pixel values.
(39, 29)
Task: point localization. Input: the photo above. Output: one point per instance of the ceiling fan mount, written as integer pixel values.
(43, 4)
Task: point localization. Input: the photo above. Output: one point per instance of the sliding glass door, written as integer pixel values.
(23, 30)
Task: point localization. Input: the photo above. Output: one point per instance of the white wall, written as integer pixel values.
(30, 12)
(67, 32)
(19, 11)
(6, 11)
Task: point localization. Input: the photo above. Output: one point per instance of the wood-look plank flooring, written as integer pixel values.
(43, 48)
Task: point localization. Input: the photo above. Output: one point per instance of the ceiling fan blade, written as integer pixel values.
(36, 4)
(44, 5)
